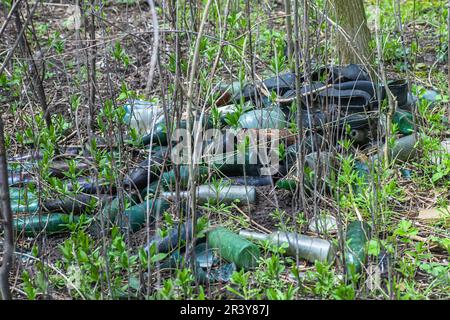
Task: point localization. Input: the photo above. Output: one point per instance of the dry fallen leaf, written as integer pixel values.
(431, 214)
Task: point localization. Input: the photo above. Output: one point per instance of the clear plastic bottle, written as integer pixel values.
(143, 115)
(306, 247)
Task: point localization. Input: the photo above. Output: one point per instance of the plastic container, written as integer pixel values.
(431, 97)
(225, 194)
(263, 119)
(234, 248)
(444, 150)
(308, 248)
(323, 224)
(142, 115)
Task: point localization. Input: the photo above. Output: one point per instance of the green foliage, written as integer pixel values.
(242, 286)
(232, 118)
(324, 283)
(120, 55)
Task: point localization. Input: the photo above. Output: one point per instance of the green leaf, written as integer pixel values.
(374, 248)
(405, 229)
(158, 257)
(123, 96)
(143, 256)
(437, 176)
(134, 283)
(82, 256)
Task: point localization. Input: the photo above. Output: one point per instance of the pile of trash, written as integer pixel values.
(337, 102)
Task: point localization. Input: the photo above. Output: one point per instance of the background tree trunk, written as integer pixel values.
(351, 17)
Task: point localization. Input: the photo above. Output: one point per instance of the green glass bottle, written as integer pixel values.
(404, 149)
(168, 178)
(32, 225)
(20, 193)
(356, 237)
(324, 164)
(287, 184)
(232, 93)
(236, 160)
(159, 135)
(404, 121)
(76, 204)
(23, 205)
(109, 213)
(23, 200)
(151, 190)
(138, 177)
(136, 216)
(233, 248)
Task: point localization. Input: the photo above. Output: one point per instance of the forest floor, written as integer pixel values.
(77, 265)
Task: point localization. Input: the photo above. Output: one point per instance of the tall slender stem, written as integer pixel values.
(6, 219)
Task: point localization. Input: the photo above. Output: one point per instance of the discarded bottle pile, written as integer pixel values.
(339, 102)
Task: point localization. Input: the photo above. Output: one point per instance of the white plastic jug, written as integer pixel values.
(142, 115)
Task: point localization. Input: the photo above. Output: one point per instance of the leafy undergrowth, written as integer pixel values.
(408, 257)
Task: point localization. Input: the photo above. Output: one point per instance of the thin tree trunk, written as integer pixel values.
(351, 17)
(92, 72)
(6, 219)
(288, 22)
(448, 56)
(190, 120)
(35, 76)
